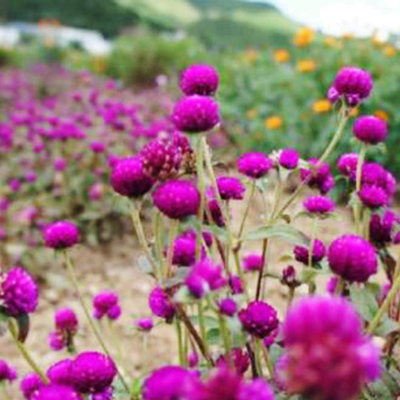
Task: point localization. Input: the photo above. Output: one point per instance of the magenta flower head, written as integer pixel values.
(161, 159)
(352, 84)
(60, 373)
(161, 305)
(252, 262)
(7, 373)
(18, 292)
(92, 372)
(370, 129)
(301, 254)
(170, 382)
(227, 307)
(236, 358)
(324, 358)
(230, 188)
(254, 165)
(97, 147)
(205, 276)
(347, 165)
(235, 284)
(57, 341)
(257, 389)
(66, 320)
(106, 304)
(193, 114)
(381, 228)
(177, 199)
(144, 324)
(353, 258)
(129, 179)
(320, 205)
(184, 252)
(30, 384)
(61, 235)
(289, 158)
(199, 79)
(60, 164)
(56, 392)
(259, 319)
(319, 178)
(373, 196)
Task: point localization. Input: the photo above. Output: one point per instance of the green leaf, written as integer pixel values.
(275, 351)
(213, 336)
(386, 327)
(3, 323)
(364, 300)
(284, 232)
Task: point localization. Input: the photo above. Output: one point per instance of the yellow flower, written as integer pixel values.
(389, 50)
(274, 122)
(251, 55)
(382, 115)
(304, 36)
(332, 42)
(281, 55)
(306, 65)
(322, 106)
(353, 112)
(252, 113)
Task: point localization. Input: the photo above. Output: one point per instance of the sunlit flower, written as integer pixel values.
(281, 55)
(304, 36)
(389, 51)
(273, 122)
(306, 65)
(321, 106)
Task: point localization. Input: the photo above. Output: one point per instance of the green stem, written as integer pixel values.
(268, 360)
(182, 360)
(246, 212)
(312, 241)
(74, 280)
(202, 189)
(257, 353)
(357, 205)
(202, 326)
(158, 238)
(173, 229)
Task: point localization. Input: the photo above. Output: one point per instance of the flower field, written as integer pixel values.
(229, 234)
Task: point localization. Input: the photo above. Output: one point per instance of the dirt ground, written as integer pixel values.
(115, 267)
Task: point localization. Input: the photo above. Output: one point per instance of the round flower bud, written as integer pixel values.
(129, 179)
(353, 258)
(257, 389)
(92, 372)
(320, 178)
(252, 262)
(61, 235)
(161, 305)
(373, 196)
(227, 307)
(319, 205)
(56, 392)
(254, 165)
(30, 384)
(177, 199)
(381, 228)
(7, 373)
(289, 158)
(97, 146)
(230, 188)
(259, 319)
(195, 113)
(66, 320)
(199, 79)
(106, 303)
(347, 165)
(370, 129)
(18, 292)
(144, 324)
(301, 253)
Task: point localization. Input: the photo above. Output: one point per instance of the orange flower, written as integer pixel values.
(306, 65)
(273, 122)
(389, 50)
(382, 115)
(353, 112)
(321, 106)
(304, 37)
(251, 113)
(281, 55)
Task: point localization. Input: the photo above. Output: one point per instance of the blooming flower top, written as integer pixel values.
(60, 373)
(370, 129)
(319, 178)
(230, 188)
(319, 205)
(161, 305)
(381, 228)
(289, 158)
(353, 258)
(18, 292)
(199, 79)
(324, 357)
(106, 303)
(347, 165)
(56, 392)
(194, 114)
(61, 235)
(373, 196)
(30, 384)
(252, 262)
(301, 253)
(254, 165)
(177, 199)
(66, 320)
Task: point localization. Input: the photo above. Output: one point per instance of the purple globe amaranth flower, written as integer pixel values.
(7, 373)
(61, 235)
(205, 276)
(324, 358)
(353, 258)
(259, 319)
(169, 383)
(375, 174)
(332, 284)
(227, 307)
(92, 372)
(353, 84)
(347, 165)
(144, 324)
(319, 205)
(60, 373)
(257, 389)
(66, 320)
(97, 147)
(193, 359)
(381, 228)
(289, 276)
(56, 392)
(177, 199)
(319, 178)
(30, 384)
(289, 158)
(193, 114)
(230, 188)
(199, 79)
(301, 254)
(373, 196)
(236, 284)
(161, 305)
(107, 394)
(370, 129)
(60, 164)
(106, 304)
(252, 262)
(254, 165)
(184, 251)
(236, 358)
(18, 292)
(57, 341)
(128, 178)
(161, 159)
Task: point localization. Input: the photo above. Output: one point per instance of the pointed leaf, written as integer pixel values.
(284, 232)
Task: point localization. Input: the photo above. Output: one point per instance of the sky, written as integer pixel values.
(335, 17)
